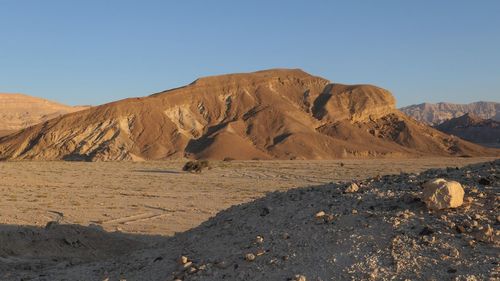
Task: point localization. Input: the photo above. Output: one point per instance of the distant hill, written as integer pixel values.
(272, 114)
(437, 113)
(18, 111)
(474, 129)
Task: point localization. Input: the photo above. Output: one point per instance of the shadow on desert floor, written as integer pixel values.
(27, 252)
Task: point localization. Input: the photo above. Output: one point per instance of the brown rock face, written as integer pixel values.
(441, 194)
(474, 129)
(272, 114)
(19, 111)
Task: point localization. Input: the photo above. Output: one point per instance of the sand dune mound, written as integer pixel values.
(272, 114)
(474, 129)
(381, 230)
(19, 111)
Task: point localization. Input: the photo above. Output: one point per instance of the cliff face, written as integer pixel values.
(19, 111)
(435, 114)
(279, 113)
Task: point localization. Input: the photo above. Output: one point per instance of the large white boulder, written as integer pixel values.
(441, 194)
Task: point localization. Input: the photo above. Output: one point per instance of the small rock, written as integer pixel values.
(454, 253)
(260, 253)
(249, 257)
(328, 218)
(353, 187)
(469, 199)
(320, 214)
(485, 234)
(187, 264)
(460, 229)
(183, 260)
(299, 277)
(498, 218)
(474, 223)
(259, 239)
(441, 194)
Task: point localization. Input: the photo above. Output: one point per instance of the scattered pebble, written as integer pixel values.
(299, 277)
(320, 214)
(249, 257)
(259, 239)
(183, 260)
(353, 187)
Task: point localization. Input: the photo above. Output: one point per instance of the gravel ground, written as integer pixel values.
(383, 231)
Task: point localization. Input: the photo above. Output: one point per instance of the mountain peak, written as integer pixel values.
(270, 114)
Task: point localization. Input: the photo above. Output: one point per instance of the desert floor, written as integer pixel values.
(158, 198)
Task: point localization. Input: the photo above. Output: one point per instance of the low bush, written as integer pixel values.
(195, 166)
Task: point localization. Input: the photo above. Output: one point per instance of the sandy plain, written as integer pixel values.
(157, 198)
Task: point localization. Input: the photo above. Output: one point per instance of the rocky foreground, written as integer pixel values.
(374, 229)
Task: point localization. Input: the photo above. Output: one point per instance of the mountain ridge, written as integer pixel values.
(437, 113)
(474, 129)
(270, 114)
(19, 111)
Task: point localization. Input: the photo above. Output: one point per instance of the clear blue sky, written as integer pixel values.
(96, 51)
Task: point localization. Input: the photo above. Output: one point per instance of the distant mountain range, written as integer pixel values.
(437, 113)
(271, 114)
(472, 128)
(18, 111)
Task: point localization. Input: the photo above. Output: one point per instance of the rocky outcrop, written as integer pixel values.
(272, 114)
(435, 114)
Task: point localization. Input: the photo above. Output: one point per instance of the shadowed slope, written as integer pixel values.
(280, 113)
(473, 128)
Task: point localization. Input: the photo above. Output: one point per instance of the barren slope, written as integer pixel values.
(19, 111)
(283, 114)
(472, 128)
(437, 113)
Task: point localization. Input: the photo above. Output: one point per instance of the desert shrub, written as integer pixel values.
(195, 166)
